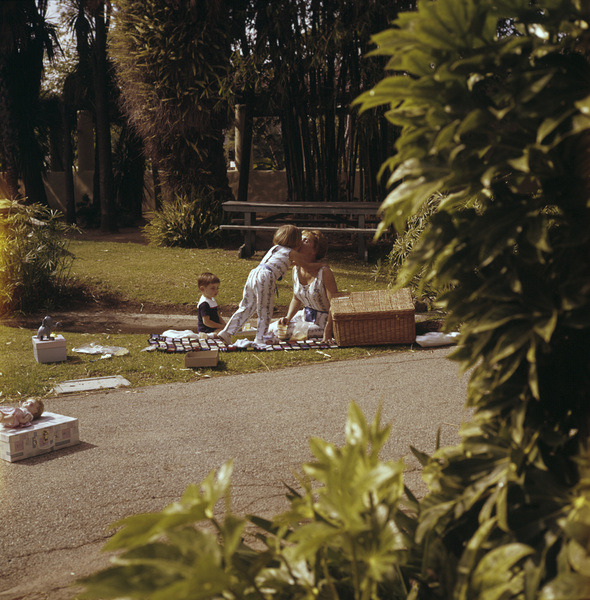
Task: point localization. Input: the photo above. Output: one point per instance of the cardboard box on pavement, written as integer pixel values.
(47, 433)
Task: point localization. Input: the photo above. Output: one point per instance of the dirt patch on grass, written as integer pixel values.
(124, 316)
(91, 312)
(87, 310)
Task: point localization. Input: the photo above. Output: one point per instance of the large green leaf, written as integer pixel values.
(569, 586)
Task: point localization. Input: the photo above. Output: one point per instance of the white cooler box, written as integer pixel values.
(51, 350)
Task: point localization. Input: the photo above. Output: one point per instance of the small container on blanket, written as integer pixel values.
(282, 331)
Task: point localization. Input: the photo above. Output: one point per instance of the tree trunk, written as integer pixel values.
(218, 166)
(34, 186)
(108, 220)
(157, 186)
(131, 183)
(12, 180)
(243, 161)
(68, 159)
(8, 136)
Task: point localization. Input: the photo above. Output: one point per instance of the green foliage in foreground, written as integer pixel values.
(345, 535)
(493, 98)
(403, 245)
(34, 257)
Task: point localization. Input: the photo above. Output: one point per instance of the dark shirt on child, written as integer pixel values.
(207, 311)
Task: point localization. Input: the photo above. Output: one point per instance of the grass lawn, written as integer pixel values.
(21, 376)
(133, 271)
(169, 275)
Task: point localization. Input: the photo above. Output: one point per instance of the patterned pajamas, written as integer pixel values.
(259, 297)
(259, 293)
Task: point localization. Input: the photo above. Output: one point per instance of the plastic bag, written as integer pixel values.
(300, 331)
(93, 348)
(437, 338)
(176, 334)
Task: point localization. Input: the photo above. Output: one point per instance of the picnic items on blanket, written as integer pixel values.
(373, 318)
(185, 333)
(301, 330)
(282, 331)
(202, 358)
(191, 344)
(437, 338)
(247, 331)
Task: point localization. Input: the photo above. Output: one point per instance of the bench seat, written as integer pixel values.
(360, 230)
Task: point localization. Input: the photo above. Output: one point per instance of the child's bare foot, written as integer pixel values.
(225, 336)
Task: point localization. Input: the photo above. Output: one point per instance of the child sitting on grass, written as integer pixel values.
(208, 314)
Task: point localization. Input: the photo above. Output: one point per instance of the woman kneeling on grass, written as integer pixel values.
(312, 293)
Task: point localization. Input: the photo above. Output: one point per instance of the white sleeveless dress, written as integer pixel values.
(314, 298)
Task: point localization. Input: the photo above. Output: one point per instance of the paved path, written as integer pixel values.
(140, 449)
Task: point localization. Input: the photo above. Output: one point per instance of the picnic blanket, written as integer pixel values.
(190, 344)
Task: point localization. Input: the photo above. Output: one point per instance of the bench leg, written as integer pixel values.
(363, 251)
(243, 253)
(250, 236)
(250, 242)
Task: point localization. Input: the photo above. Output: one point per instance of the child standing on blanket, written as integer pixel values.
(259, 291)
(208, 315)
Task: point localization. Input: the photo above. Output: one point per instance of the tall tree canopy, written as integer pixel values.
(171, 60)
(182, 65)
(305, 62)
(25, 38)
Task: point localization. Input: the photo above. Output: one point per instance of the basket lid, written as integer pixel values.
(377, 301)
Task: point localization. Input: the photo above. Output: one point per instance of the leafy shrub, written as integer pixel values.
(573, 578)
(493, 100)
(188, 220)
(402, 247)
(346, 536)
(34, 258)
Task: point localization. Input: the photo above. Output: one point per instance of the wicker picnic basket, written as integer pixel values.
(373, 318)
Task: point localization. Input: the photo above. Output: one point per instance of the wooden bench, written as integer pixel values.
(343, 217)
(362, 230)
